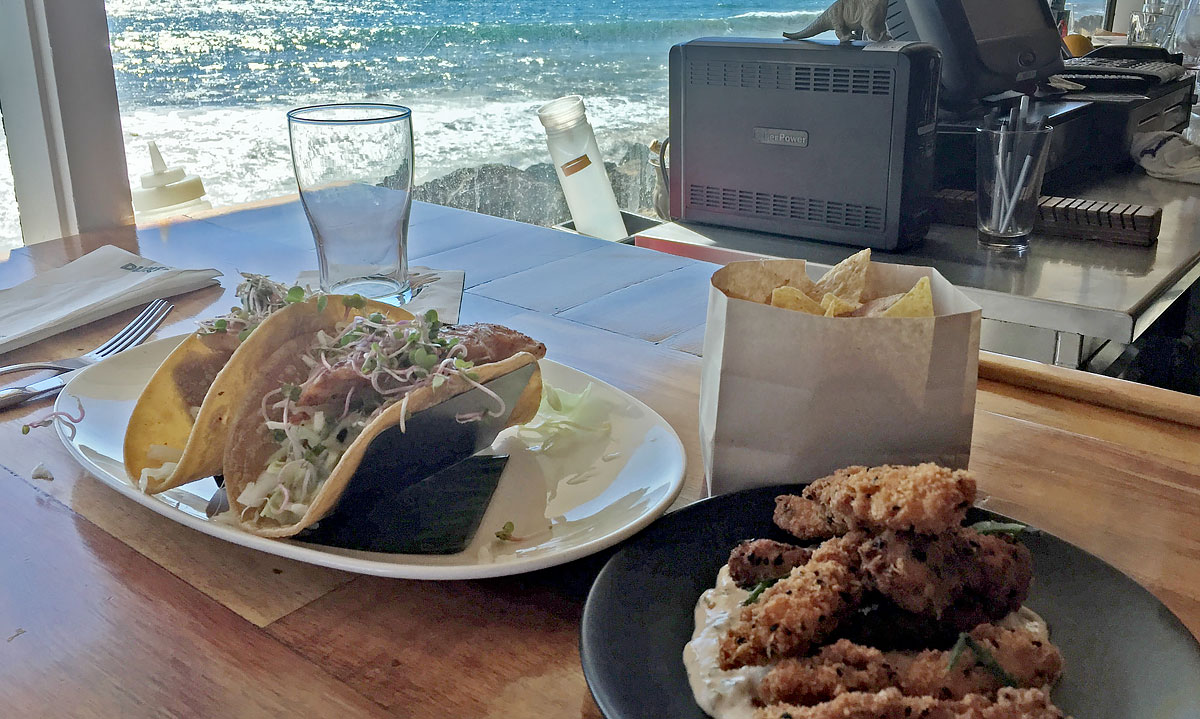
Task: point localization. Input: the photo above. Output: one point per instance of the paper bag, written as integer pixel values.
(787, 396)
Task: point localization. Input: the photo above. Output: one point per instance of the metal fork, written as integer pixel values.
(131, 335)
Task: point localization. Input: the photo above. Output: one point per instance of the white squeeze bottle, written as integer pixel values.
(580, 169)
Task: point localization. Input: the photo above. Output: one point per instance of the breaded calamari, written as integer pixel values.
(891, 704)
(926, 499)
(758, 560)
(798, 611)
(805, 519)
(928, 574)
(845, 667)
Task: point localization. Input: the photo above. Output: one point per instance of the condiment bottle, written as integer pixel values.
(580, 169)
(167, 191)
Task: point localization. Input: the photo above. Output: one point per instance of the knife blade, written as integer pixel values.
(13, 396)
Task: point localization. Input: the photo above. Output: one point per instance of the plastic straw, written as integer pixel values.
(1016, 195)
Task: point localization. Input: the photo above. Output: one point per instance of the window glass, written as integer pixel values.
(10, 225)
(210, 82)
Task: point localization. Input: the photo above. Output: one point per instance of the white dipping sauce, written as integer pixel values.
(724, 694)
(730, 694)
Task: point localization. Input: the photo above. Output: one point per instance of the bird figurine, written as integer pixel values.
(845, 17)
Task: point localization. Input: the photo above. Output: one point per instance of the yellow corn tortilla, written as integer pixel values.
(847, 279)
(216, 365)
(251, 445)
(754, 280)
(918, 302)
(792, 298)
(835, 306)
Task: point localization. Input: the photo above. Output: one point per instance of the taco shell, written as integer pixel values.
(182, 414)
(250, 445)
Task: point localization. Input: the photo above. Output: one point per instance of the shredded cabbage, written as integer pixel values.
(366, 365)
(566, 419)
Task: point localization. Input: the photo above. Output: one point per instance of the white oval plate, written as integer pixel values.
(568, 506)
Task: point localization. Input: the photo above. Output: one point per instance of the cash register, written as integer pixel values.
(991, 47)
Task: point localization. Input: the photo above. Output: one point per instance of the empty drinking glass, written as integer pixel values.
(354, 168)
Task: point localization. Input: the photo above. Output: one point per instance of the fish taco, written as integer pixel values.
(318, 401)
(176, 433)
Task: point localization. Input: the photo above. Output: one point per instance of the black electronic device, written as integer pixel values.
(988, 46)
(820, 140)
(1154, 71)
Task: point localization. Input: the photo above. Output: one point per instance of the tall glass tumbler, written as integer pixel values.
(1009, 167)
(354, 168)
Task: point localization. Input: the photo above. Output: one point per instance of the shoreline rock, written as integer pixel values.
(533, 194)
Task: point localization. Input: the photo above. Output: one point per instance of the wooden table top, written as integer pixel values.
(111, 610)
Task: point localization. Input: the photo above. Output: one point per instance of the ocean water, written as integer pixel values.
(210, 80)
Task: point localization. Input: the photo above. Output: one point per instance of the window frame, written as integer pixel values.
(61, 117)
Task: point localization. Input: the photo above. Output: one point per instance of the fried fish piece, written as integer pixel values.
(891, 704)
(759, 560)
(844, 667)
(800, 610)
(926, 498)
(927, 574)
(805, 519)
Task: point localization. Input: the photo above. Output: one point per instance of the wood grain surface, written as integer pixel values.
(110, 610)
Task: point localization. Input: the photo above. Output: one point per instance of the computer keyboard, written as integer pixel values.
(1094, 82)
(1153, 70)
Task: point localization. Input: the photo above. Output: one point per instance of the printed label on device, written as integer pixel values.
(572, 166)
(775, 136)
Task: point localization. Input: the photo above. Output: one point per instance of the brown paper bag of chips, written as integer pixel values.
(793, 391)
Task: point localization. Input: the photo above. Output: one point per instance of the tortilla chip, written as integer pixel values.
(835, 306)
(793, 299)
(756, 280)
(848, 278)
(877, 306)
(917, 303)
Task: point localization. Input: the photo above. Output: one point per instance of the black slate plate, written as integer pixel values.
(1127, 656)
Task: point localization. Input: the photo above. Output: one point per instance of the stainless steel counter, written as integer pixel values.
(1065, 291)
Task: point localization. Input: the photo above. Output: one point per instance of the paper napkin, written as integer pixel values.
(101, 283)
(439, 290)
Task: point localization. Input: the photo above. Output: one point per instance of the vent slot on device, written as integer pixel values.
(801, 209)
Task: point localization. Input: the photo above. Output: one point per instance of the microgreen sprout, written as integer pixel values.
(322, 302)
(982, 657)
(356, 302)
(759, 588)
(294, 295)
(49, 419)
(506, 532)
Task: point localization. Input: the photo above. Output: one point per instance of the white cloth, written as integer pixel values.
(439, 290)
(1167, 156)
(101, 283)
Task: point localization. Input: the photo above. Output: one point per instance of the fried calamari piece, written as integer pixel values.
(805, 519)
(926, 498)
(1026, 657)
(928, 574)
(878, 622)
(800, 610)
(759, 560)
(891, 704)
(844, 667)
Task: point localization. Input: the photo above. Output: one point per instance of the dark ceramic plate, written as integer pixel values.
(1127, 656)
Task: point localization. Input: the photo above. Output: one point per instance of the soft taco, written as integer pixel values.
(318, 401)
(176, 433)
